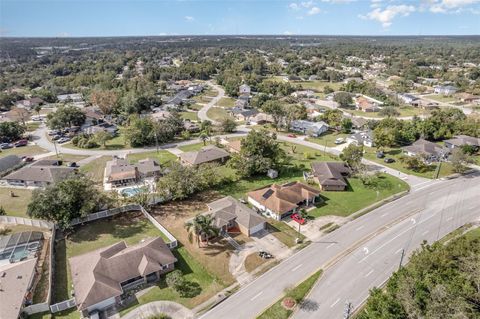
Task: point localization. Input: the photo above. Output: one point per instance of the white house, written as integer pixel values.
(311, 128)
(445, 90)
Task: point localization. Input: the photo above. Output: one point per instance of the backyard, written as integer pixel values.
(95, 169)
(17, 205)
(226, 102)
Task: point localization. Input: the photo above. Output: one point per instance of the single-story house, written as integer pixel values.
(191, 126)
(467, 97)
(229, 214)
(16, 283)
(120, 172)
(101, 277)
(160, 115)
(102, 127)
(362, 138)
(430, 151)
(310, 128)
(243, 114)
(407, 98)
(241, 103)
(207, 154)
(359, 122)
(303, 94)
(445, 89)
(244, 89)
(261, 118)
(365, 105)
(331, 176)
(93, 116)
(280, 201)
(73, 97)
(9, 163)
(461, 140)
(38, 175)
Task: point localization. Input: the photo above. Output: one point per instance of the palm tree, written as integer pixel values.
(204, 137)
(201, 226)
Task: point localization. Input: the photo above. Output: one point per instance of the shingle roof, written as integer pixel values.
(119, 169)
(228, 208)
(460, 140)
(50, 174)
(283, 198)
(97, 275)
(424, 147)
(206, 154)
(8, 162)
(330, 173)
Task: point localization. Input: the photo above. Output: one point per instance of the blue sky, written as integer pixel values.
(43, 18)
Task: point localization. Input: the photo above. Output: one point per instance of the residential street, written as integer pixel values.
(403, 223)
(202, 113)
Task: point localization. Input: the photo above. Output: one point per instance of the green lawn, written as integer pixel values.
(328, 139)
(441, 98)
(32, 126)
(15, 206)
(29, 150)
(226, 102)
(95, 169)
(130, 227)
(68, 157)
(192, 116)
(202, 98)
(277, 311)
(217, 114)
(284, 233)
(193, 271)
(116, 143)
(67, 314)
(317, 85)
(473, 234)
(192, 147)
(357, 196)
(396, 153)
(162, 156)
(195, 107)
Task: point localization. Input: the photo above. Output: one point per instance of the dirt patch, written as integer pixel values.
(253, 261)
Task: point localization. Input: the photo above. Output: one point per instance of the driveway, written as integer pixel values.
(267, 242)
(311, 229)
(202, 113)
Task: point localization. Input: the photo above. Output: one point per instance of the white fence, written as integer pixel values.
(64, 305)
(41, 307)
(127, 208)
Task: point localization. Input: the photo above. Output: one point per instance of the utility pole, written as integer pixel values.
(55, 145)
(401, 259)
(347, 313)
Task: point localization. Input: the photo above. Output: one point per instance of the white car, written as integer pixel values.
(340, 140)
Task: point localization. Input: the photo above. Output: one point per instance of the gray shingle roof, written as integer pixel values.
(8, 162)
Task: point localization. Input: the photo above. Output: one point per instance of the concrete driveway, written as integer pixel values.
(267, 242)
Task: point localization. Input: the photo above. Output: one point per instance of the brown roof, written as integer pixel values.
(206, 154)
(119, 169)
(50, 174)
(15, 281)
(330, 173)
(98, 275)
(283, 198)
(228, 208)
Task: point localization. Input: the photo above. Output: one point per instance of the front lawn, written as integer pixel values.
(30, 150)
(253, 261)
(68, 157)
(357, 196)
(327, 139)
(193, 271)
(218, 114)
(277, 311)
(286, 234)
(226, 102)
(193, 147)
(396, 154)
(162, 156)
(441, 98)
(17, 205)
(130, 227)
(192, 116)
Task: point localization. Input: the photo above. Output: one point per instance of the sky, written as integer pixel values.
(76, 18)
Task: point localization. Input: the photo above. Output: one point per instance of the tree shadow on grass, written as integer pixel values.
(181, 262)
(60, 283)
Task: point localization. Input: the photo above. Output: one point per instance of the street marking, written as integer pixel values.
(425, 232)
(365, 250)
(330, 245)
(333, 304)
(369, 273)
(256, 296)
(398, 251)
(295, 268)
(360, 227)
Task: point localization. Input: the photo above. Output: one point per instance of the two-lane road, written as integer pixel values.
(442, 203)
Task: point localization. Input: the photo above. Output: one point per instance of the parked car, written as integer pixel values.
(296, 217)
(21, 143)
(27, 159)
(4, 146)
(57, 137)
(53, 132)
(63, 140)
(292, 135)
(339, 140)
(380, 154)
(389, 160)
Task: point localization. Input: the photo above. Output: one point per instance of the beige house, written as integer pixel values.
(101, 277)
(120, 172)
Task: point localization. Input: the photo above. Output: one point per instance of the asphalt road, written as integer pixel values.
(370, 242)
(202, 113)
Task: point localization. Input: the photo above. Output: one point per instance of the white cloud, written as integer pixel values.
(189, 18)
(449, 6)
(386, 16)
(313, 11)
(293, 6)
(307, 4)
(288, 33)
(338, 1)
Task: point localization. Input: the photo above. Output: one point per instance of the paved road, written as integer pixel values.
(202, 113)
(437, 207)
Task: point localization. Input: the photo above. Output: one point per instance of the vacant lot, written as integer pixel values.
(130, 227)
(357, 196)
(17, 205)
(162, 157)
(226, 102)
(218, 114)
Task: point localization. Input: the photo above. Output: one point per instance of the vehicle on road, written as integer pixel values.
(296, 217)
(292, 135)
(389, 160)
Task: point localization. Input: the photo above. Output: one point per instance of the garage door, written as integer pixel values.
(257, 228)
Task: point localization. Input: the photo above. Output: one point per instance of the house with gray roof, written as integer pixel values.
(330, 176)
(206, 154)
(39, 176)
(461, 140)
(9, 163)
(428, 150)
(361, 138)
(119, 172)
(102, 277)
(311, 128)
(231, 215)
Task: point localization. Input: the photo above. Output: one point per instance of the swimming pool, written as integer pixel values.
(131, 191)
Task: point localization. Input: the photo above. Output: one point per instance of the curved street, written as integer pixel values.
(202, 113)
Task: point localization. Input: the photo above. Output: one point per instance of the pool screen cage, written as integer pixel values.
(19, 246)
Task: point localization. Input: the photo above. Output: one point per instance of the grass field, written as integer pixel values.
(328, 139)
(95, 169)
(68, 157)
(193, 147)
(441, 98)
(357, 196)
(226, 102)
(192, 116)
(217, 114)
(298, 293)
(284, 233)
(396, 153)
(129, 227)
(15, 206)
(29, 150)
(162, 156)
